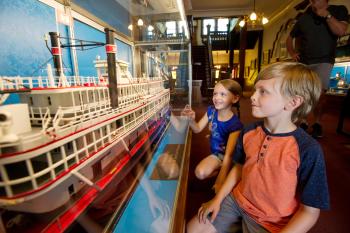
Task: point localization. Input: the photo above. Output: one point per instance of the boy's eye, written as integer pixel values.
(262, 91)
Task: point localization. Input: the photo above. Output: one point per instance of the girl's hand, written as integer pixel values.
(209, 210)
(188, 112)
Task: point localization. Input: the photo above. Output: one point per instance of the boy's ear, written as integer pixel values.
(294, 102)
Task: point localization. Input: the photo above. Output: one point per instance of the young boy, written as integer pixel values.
(278, 182)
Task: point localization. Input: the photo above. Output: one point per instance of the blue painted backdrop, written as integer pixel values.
(23, 24)
(109, 11)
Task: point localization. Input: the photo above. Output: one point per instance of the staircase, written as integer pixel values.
(201, 67)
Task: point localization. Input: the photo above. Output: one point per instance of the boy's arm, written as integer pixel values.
(198, 127)
(227, 162)
(303, 220)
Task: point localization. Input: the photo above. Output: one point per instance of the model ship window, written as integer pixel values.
(59, 169)
(69, 148)
(104, 132)
(22, 187)
(43, 179)
(49, 100)
(98, 138)
(39, 163)
(56, 155)
(71, 161)
(91, 95)
(31, 101)
(17, 170)
(2, 192)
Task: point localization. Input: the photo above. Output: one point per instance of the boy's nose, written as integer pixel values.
(252, 97)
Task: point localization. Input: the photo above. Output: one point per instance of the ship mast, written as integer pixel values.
(112, 71)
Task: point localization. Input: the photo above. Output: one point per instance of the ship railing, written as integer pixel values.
(19, 83)
(66, 117)
(15, 83)
(39, 115)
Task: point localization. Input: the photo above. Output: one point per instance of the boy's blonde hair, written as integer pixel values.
(297, 80)
(232, 86)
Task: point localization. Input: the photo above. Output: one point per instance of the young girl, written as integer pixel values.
(224, 126)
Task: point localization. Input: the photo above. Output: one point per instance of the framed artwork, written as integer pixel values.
(266, 57)
(252, 64)
(246, 71)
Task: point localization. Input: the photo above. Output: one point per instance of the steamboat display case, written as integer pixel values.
(93, 140)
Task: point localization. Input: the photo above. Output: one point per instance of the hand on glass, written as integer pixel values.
(188, 112)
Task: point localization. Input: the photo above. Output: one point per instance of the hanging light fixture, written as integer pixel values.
(139, 22)
(254, 19)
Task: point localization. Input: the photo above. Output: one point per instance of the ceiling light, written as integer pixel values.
(140, 22)
(150, 28)
(254, 19)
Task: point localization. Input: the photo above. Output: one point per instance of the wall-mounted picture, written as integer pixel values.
(266, 57)
(246, 71)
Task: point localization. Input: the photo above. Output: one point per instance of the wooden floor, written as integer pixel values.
(337, 156)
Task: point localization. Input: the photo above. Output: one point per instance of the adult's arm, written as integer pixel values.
(337, 27)
(290, 48)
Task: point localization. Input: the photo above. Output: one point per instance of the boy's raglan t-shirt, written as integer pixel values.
(279, 172)
(221, 130)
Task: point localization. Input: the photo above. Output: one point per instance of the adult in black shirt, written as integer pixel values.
(318, 30)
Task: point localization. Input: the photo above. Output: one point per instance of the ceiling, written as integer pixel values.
(212, 8)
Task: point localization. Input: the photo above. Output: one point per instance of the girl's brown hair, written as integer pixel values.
(232, 86)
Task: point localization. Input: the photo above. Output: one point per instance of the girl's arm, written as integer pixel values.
(303, 220)
(198, 127)
(227, 162)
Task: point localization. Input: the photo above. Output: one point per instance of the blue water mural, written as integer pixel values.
(110, 11)
(137, 216)
(67, 61)
(23, 24)
(124, 53)
(87, 55)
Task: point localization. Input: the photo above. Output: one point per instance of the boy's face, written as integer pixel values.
(267, 100)
(223, 98)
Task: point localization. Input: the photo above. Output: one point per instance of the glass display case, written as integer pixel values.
(91, 137)
(340, 75)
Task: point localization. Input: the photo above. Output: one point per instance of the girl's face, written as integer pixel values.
(267, 100)
(223, 98)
